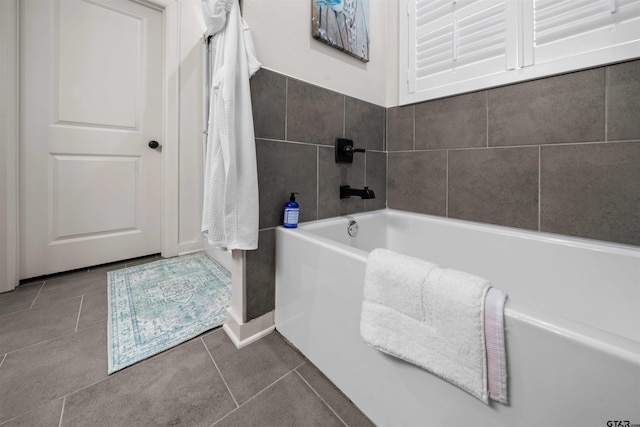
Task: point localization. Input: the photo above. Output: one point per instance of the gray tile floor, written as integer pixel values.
(53, 370)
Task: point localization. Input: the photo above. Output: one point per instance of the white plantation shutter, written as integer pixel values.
(455, 46)
(459, 40)
(568, 28)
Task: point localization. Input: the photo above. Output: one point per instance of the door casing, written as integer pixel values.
(9, 279)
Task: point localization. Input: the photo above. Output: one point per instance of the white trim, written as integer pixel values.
(243, 334)
(171, 127)
(170, 124)
(9, 101)
(240, 331)
(190, 247)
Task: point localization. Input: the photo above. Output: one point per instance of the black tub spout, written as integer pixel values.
(346, 191)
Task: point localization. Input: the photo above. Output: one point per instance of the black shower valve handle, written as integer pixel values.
(350, 149)
(345, 149)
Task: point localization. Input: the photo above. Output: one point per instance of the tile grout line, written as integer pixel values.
(47, 340)
(317, 182)
(344, 116)
(486, 93)
(220, 373)
(446, 189)
(5, 422)
(258, 393)
(539, 186)
(320, 397)
(79, 312)
(34, 344)
(413, 122)
(148, 360)
(606, 103)
(286, 107)
(64, 403)
(37, 295)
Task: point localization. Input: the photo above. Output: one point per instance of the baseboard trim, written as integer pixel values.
(243, 334)
(190, 247)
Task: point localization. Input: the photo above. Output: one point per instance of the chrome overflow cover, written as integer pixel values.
(352, 228)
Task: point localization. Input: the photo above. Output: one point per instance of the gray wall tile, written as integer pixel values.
(623, 101)
(268, 101)
(284, 168)
(592, 190)
(261, 276)
(456, 122)
(314, 114)
(376, 179)
(400, 128)
(331, 176)
(495, 186)
(566, 108)
(364, 124)
(417, 181)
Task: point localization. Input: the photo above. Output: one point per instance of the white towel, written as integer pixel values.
(429, 316)
(494, 338)
(230, 206)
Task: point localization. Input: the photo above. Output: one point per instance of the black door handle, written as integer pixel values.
(154, 144)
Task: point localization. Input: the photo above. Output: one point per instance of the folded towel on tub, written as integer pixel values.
(494, 340)
(429, 316)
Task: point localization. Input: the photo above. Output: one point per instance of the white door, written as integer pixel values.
(91, 100)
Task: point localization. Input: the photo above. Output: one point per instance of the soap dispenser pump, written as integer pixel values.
(291, 212)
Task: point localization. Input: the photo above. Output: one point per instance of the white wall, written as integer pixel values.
(190, 185)
(281, 32)
(8, 145)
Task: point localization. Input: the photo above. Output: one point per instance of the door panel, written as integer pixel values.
(91, 99)
(100, 60)
(77, 214)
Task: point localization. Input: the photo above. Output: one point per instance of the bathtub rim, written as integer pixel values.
(543, 236)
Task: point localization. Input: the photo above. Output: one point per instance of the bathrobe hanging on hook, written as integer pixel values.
(230, 207)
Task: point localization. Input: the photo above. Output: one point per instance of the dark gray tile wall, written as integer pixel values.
(592, 190)
(566, 108)
(296, 124)
(455, 122)
(400, 128)
(559, 154)
(495, 186)
(623, 101)
(261, 274)
(417, 181)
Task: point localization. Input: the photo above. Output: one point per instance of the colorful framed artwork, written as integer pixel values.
(343, 24)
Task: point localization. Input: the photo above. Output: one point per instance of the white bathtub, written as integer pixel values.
(572, 320)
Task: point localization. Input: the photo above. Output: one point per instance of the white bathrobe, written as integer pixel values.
(230, 210)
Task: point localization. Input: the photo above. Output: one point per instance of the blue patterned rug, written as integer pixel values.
(156, 306)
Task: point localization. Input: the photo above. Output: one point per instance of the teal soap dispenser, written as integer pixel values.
(291, 212)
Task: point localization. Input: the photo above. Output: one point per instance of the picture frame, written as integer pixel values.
(343, 24)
